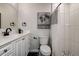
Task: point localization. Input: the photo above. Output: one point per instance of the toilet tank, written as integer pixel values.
(44, 40)
(34, 44)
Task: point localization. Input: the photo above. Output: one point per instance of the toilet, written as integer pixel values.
(44, 48)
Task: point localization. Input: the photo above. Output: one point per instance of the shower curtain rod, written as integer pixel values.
(56, 7)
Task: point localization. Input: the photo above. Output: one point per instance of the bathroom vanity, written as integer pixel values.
(15, 44)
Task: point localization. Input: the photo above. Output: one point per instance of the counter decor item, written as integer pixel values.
(20, 31)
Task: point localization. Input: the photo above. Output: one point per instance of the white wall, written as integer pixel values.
(8, 14)
(28, 14)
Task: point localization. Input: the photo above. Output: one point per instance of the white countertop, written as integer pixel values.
(6, 39)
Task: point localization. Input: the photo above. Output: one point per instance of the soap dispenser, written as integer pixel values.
(20, 31)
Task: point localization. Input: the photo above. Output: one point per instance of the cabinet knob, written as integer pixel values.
(5, 50)
(23, 38)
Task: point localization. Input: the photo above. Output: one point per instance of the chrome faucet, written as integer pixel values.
(8, 29)
(6, 33)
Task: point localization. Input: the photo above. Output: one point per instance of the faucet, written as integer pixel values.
(8, 29)
(7, 32)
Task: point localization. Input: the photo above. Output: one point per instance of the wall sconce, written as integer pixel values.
(12, 24)
(24, 24)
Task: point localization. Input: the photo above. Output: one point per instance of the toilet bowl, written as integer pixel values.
(44, 48)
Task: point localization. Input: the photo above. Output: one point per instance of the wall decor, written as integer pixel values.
(24, 24)
(12, 24)
(43, 20)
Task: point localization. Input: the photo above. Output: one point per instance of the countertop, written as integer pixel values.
(7, 39)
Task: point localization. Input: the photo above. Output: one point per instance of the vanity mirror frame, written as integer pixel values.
(0, 20)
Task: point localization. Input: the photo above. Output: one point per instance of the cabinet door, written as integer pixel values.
(27, 44)
(18, 48)
(23, 47)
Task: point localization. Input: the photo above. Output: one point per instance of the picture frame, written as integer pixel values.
(43, 20)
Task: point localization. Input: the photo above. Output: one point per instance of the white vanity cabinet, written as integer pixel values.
(9, 53)
(17, 47)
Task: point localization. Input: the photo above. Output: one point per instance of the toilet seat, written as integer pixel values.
(45, 50)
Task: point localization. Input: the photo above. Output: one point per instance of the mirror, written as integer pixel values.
(8, 15)
(0, 20)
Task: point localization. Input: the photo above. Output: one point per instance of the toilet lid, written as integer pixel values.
(45, 49)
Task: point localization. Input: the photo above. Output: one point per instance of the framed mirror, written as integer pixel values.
(0, 20)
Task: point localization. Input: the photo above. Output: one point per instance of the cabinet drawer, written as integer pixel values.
(9, 53)
(5, 49)
(12, 54)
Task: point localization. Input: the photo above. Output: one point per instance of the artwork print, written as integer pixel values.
(43, 20)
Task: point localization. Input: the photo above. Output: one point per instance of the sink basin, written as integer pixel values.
(7, 38)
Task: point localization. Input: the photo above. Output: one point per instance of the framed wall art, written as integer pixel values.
(43, 20)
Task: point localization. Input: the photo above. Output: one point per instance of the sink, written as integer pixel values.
(7, 38)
